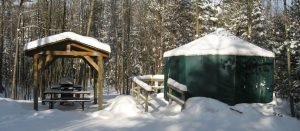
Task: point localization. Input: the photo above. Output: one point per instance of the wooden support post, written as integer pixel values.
(146, 101)
(42, 78)
(82, 106)
(132, 89)
(138, 93)
(100, 84)
(35, 82)
(156, 85)
(91, 62)
(95, 86)
(68, 48)
(170, 99)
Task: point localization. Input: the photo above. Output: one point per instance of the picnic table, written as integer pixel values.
(66, 93)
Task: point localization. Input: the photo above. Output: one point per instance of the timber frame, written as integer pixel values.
(44, 56)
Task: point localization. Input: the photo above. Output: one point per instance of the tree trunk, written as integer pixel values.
(64, 17)
(113, 40)
(288, 46)
(16, 60)
(197, 22)
(249, 15)
(90, 18)
(288, 55)
(1, 45)
(49, 19)
(125, 41)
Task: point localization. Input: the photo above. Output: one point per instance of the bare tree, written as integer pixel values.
(2, 44)
(249, 15)
(16, 60)
(90, 17)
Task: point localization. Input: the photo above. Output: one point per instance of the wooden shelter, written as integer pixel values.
(68, 44)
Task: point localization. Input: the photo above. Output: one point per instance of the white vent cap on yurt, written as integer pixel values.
(219, 42)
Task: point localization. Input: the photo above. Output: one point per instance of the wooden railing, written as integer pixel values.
(181, 89)
(143, 86)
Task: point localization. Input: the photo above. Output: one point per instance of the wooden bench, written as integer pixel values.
(54, 97)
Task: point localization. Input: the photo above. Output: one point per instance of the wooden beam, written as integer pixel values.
(47, 62)
(71, 54)
(82, 47)
(35, 81)
(91, 62)
(100, 84)
(104, 54)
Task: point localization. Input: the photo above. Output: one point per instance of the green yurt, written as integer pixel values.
(224, 67)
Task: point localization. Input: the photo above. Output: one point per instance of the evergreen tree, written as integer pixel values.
(237, 21)
(259, 33)
(207, 17)
(295, 21)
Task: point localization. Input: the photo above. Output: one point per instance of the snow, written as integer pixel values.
(220, 42)
(142, 84)
(89, 41)
(177, 85)
(151, 77)
(123, 114)
(213, 18)
(124, 105)
(215, 115)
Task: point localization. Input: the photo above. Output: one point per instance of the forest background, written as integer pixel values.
(139, 32)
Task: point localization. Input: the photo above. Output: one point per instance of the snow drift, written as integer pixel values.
(122, 114)
(123, 105)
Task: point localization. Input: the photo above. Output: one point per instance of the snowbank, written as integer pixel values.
(122, 114)
(123, 105)
(220, 42)
(215, 115)
(89, 41)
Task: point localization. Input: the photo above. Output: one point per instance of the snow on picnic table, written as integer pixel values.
(124, 114)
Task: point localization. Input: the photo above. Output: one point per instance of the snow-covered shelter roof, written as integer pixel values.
(88, 41)
(220, 42)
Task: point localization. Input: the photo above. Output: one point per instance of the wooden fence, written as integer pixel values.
(181, 89)
(143, 86)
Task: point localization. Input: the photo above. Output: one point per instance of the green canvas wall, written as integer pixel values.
(230, 79)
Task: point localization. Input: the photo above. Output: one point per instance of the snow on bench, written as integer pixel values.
(177, 85)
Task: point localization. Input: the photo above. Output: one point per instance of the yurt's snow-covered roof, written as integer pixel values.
(220, 42)
(89, 41)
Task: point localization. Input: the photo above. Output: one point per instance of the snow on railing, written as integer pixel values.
(177, 85)
(179, 88)
(142, 84)
(151, 77)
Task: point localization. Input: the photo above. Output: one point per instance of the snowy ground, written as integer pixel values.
(122, 113)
